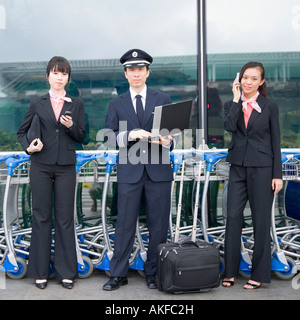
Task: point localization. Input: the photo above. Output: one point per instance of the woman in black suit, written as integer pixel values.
(53, 174)
(255, 173)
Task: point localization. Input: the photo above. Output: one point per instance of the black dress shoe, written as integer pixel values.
(67, 284)
(151, 282)
(41, 285)
(115, 283)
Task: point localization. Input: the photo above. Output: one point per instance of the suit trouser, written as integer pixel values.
(157, 206)
(46, 181)
(253, 184)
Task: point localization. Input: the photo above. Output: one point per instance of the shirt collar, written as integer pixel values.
(63, 97)
(54, 96)
(143, 93)
(252, 102)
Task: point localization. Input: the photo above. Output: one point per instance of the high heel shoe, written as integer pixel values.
(228, 283)
(67, 284)
(41, 284)
(253, 286)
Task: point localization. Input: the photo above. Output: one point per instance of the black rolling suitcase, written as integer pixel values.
(188, 266)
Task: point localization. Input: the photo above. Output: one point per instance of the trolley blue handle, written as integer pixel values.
(212, 158)
(285, 156)
(82, 158)
(4, 157)
(176, 159)
(110, 160)
(13, 162)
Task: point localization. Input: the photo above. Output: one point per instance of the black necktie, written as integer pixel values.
(139, 108)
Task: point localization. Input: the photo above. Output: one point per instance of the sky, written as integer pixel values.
(253, 26)
(35, 30)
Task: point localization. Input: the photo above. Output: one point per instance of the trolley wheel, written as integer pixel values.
(88, 268)
(222, 267)
(107, 272)
(289, 274)
(22, 265)
(245, 274)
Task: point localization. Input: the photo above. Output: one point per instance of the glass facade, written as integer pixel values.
(93, 35)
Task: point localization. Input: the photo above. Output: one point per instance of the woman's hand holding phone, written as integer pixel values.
(236, 89)
(66, 119)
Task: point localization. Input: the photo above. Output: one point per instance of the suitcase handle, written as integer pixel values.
(188, 242)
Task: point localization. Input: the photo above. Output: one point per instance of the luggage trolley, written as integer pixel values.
(287, 253)
(87, 167)
(176, 159)
(182, 166)
(111, 159)
(290, 237)
(186, 158)
(84, 173)
(292, 207)
(96, 242)
(212, 172)
(3, 178)
(214, 169)
(17, 173)
(193, 167)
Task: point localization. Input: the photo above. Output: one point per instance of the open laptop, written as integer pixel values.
(171, 118)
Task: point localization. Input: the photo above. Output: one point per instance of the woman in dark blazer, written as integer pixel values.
(53, 174)
(255, 172)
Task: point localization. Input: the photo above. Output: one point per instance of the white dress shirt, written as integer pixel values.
(133, 94)
(143, 94)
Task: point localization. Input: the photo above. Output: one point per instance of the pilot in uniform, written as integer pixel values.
(143, 168)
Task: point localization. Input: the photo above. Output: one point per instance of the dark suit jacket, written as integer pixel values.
(121, 117)
(58, 141)
(259, 144)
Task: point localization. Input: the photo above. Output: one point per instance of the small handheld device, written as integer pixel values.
(238, 77)
(68, 113)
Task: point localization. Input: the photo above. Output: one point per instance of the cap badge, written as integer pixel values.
(134, 54)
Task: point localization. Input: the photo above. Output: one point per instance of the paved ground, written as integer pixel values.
(91, 289)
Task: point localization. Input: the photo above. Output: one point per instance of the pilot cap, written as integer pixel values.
(135, 58)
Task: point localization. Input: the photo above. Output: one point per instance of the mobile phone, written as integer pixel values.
(238, 77)
(68, 113)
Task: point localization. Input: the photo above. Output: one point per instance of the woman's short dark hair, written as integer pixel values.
(59, 64)
(263, 88)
